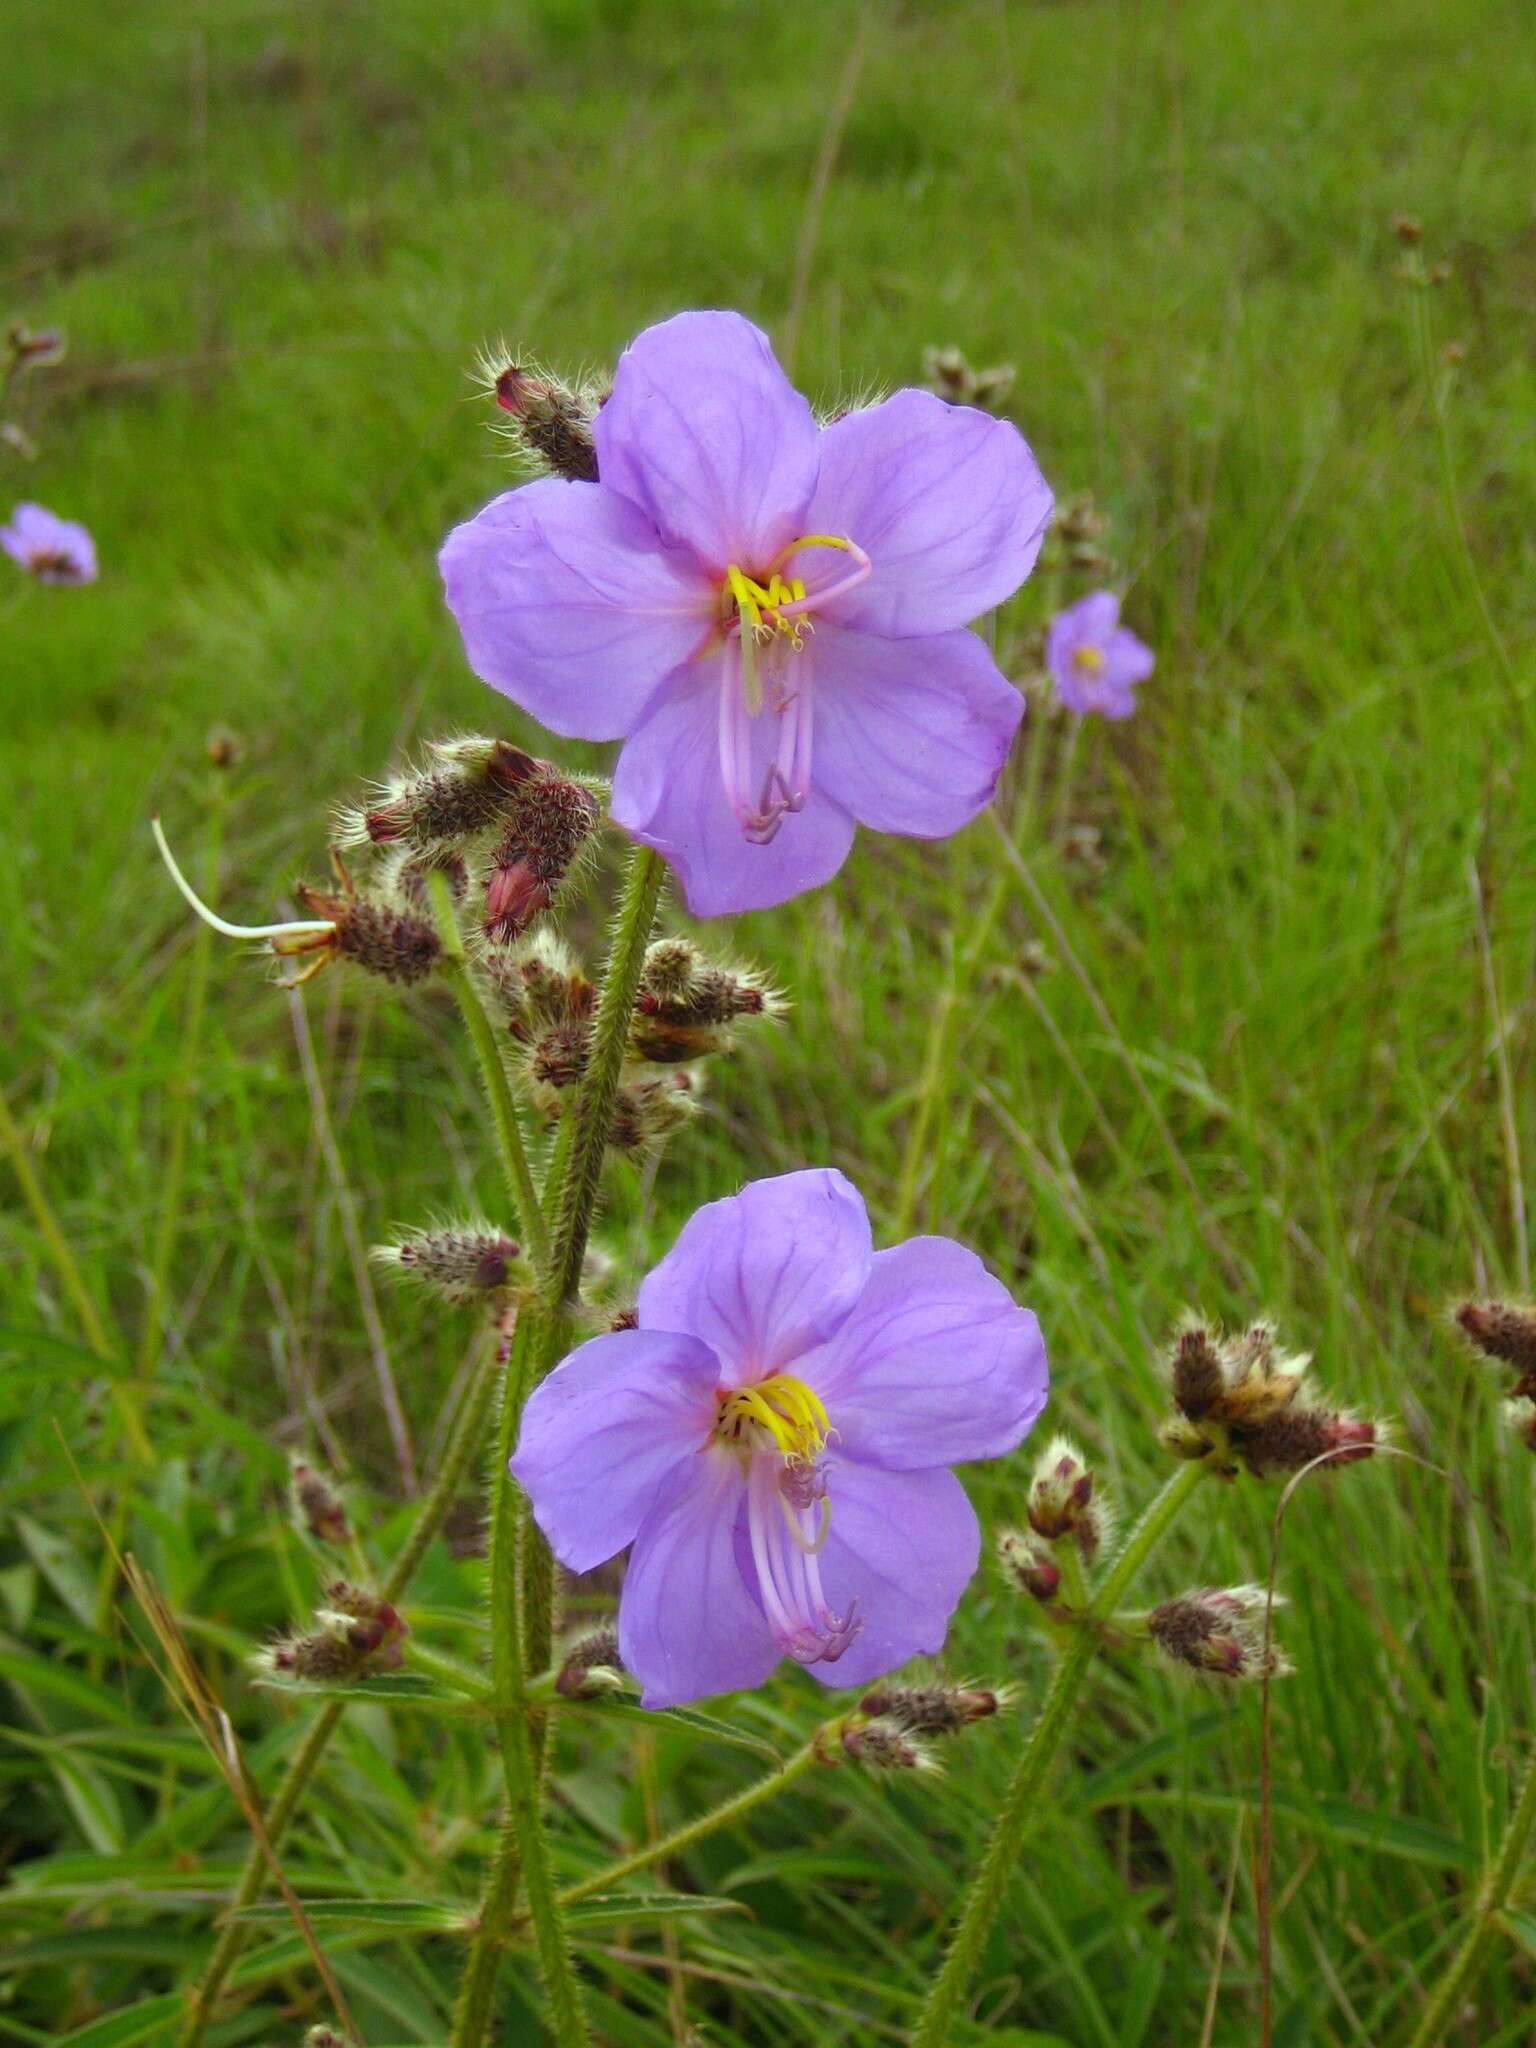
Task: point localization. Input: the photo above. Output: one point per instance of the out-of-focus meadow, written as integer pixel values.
(1300, 882)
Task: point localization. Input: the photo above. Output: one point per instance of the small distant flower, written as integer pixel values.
(772, 1438)
(770, 614)
(1094, 661)
(51, 549)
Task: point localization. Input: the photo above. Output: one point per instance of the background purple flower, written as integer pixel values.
(1096, 662)
(53, 550)
(768, 613)
(772, 1442)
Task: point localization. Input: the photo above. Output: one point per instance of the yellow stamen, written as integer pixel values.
(782, 1409)
(1090, 660)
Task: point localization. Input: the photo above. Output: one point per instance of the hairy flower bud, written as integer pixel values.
(591, 1665)
(327, 2037)
(461, 795)
(951, 378)
(553, 422)
(885, 1747)
(356, 1632)
(399, 945)
(550, 819)
(1218, 1632)
(1240, 1399)
(1061, 1499)
(647, 1113)
(34, 348)
(686, 1004)
(930, 1709)
(1030, 1565)
(1503, 1331)
(460, 1262)
(317, 1506)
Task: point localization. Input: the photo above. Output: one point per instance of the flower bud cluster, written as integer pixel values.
(592, 1665)
(1240, 1401)
(950, 377)
(687, 1004)
(355, 1632)
(1219, 1633)
(1507, 1333)
(460, 1262)
(896, 1724)
(522, 822)
(684, 1011)
(550, 421)
(317, 1506)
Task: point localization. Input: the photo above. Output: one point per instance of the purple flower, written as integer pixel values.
(51, 549)
(1095, 661)
(772, 1441)
(769, 613)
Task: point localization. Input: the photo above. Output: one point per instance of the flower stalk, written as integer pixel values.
(509, 1137)
(984, 1898)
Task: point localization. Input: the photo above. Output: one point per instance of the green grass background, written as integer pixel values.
(1301, 881)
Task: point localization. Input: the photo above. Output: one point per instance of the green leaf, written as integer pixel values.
(659, 1719)
(640, 1906)
(149, 2020)
(419, 1915)
(386, 1688)
(62, 1566)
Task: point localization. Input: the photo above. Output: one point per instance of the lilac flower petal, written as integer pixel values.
(934, 1365)
(1127, 660)
(668, 793)
(910, 734)
(688, 1627)
(610, 1431)
(904, 1545)
(53, 550)
(570, 605)
(948, 503)
(706, 434)
(763, 1276)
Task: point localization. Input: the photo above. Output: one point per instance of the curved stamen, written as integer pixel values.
(292, 930)
(784, 1550)
(735, 736)
(855, 576)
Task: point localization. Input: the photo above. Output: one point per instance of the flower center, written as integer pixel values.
(780, 1429)
(1090, 660)
(765, 619)
(779, 1414)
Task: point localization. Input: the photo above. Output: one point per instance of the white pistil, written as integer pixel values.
(297, 930)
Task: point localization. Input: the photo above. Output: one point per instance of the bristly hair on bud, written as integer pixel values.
(591, 1664)
(459, 796)
(1238, 1399)
(548, 421)
(1029, 1564)
(460, 1262)
(1219, 1633)
(1507, 1332)
(327, 2037)
(687, 1004)
(317, 1505)
(935, 1709)
(540, 987)
(1064, 1501)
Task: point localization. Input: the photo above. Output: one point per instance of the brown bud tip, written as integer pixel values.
(929, 1709)
(1507, 1332)
(1030, 1565)
(592, 1664)
(1218, 1632)
(225, 749)
(1408, 230)
(460, 1262)
(317, 1505)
